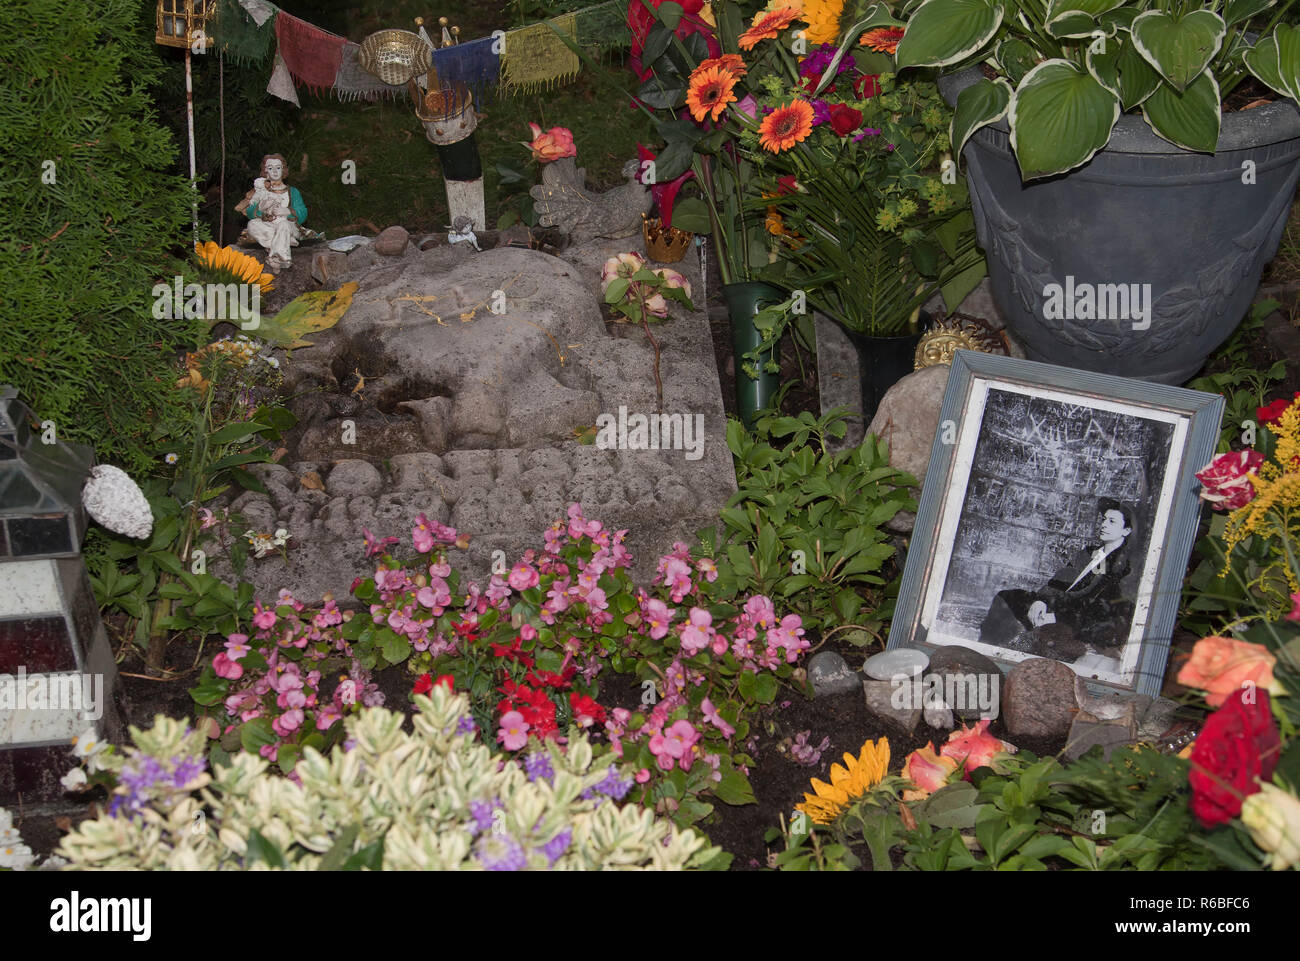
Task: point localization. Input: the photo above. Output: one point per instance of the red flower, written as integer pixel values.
(512, 652)
(640, 21)
(844, 119)
(586, 712)
(1270, 414)
(867, 86)
(423, 684)
(1238, 744)
(445, 680)
(786, 185)
(550, 678)
(1224, 480)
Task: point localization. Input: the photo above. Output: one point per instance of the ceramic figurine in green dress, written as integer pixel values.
(276, 213)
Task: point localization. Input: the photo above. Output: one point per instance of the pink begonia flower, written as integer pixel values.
(326, 717)
(263, 618)
(643, 775)
(579, 526)
(697, 634)
(225, 667)
(237, 646)
(1295, 608)
(422, 535)
(522, 577)
(677, 576)
(329, 614)
(713, 717)
(374, 545)
(269, 751)
(709, 569)
(288, 722)
(761, 611)
(497, 590)
(513, 733)
(528, 632)
(658, 615)
(674, 746)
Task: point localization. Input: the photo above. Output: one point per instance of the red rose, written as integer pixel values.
(1270, 414)
(844, 119)
(423, 684)
(867, 86)
(1224, 481)
(1238, 744)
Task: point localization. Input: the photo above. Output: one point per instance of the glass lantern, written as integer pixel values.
(57, 672)
(178, 20)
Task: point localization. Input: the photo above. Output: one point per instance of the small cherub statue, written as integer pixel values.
(275, 213)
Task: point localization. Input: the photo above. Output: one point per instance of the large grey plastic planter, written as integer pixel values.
(1142, 211)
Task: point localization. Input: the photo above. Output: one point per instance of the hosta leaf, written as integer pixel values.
(943, 32)
(980, 104)
(1179, 49)
(1060, 117)
(1189, 120)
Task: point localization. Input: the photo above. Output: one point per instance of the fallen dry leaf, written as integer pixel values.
(279, 454)
(906, 816)
(311, 480)
(64, 823)
(1257, 103)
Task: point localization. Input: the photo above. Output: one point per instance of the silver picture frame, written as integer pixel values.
(1056, 520)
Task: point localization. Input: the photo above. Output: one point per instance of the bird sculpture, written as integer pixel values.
(561, 200)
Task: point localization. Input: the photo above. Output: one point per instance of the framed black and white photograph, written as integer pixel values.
(1057, 517)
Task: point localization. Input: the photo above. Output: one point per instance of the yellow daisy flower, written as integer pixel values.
(823, 19)
(849, 783)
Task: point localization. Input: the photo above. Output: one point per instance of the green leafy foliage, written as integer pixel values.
(89, 219)
(807, 528)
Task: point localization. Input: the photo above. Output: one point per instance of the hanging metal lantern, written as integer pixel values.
(180, 20)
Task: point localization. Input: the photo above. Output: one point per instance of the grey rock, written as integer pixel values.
(1086, 734)
(904, 661)
(939, 718)
(353, 477)
(880, 702)
(328, 266)
(907, 420)
(416, 472)
(471, 415)
(273, 473)
(257, 510)
(830, 674)
(1038, 699)
(391, 241)
(434, 415)
(969, 676)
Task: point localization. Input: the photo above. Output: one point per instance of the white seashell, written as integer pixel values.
(116, 502)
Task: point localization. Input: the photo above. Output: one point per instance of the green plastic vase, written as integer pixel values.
(744, 300)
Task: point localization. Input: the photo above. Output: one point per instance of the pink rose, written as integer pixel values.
(1225, 480)
(551, 145)
(927, 770)
(974, 746)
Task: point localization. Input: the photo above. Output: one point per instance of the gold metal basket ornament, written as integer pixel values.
(664, 245)
(394, 56)
(179, 20)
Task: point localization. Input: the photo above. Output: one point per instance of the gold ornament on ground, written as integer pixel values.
(664, 245)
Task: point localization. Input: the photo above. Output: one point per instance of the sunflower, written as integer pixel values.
(710, 93)
(732, 63)
(847, 783)
(823, 19)
(767, 24)
(882, 39)
(786, 126)
(226, 265)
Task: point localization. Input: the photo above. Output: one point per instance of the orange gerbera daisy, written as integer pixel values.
(710, 93)
(882, 39)
(786, 126)
(767, 25)
(730, 62)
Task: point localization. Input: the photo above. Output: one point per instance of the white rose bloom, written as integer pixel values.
(116, 502)
(1273, 818)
